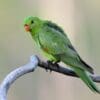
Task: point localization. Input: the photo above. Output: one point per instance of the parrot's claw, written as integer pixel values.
(50, 63)
(55, 64)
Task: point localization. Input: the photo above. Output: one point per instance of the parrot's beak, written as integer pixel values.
(27, 28)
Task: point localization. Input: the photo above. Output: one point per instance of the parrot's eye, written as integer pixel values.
(32, 22)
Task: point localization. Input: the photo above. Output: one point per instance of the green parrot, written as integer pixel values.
(57, 47)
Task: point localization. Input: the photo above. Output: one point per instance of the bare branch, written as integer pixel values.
(65, 71)
(11, 77)
(30, 67)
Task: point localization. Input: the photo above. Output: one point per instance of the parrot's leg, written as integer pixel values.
(53, 63)
(50, 63)
(56, 63)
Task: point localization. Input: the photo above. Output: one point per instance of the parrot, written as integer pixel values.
(56, 46)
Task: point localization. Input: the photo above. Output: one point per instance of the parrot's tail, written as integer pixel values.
(87, 79)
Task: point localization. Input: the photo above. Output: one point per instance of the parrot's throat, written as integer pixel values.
(35, 30)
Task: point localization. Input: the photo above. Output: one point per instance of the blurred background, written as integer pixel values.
(81, 21)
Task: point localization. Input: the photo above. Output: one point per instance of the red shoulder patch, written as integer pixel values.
(45, 49)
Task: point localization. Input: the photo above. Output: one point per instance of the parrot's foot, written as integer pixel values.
(56, 64)
(52, 63)
(49, 63)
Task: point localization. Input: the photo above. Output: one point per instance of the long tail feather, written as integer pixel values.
(87, 79)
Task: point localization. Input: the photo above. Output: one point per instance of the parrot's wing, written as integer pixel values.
(57, 43)
(54, 40)
(60, 30)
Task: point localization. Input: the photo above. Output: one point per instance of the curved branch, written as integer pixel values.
(30, 67)
(11, 77)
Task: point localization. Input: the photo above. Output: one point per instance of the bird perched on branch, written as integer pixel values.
(57, 47)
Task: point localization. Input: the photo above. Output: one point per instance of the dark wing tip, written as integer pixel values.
(89, 68)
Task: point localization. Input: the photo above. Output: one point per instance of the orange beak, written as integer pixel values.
(27, 28)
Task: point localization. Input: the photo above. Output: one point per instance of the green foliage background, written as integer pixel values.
(80, 20)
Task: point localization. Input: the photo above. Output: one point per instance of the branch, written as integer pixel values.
(65, 71)
(11, 77)
(30, 67)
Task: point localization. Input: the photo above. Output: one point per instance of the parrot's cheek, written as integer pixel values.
(27, 28)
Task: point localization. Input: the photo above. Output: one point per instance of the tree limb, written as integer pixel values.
(15, 74)
(65, 71)
(30, 67)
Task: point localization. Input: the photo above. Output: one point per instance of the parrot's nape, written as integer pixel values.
(53, 41)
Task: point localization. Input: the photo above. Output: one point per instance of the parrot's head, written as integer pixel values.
(31, 23)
